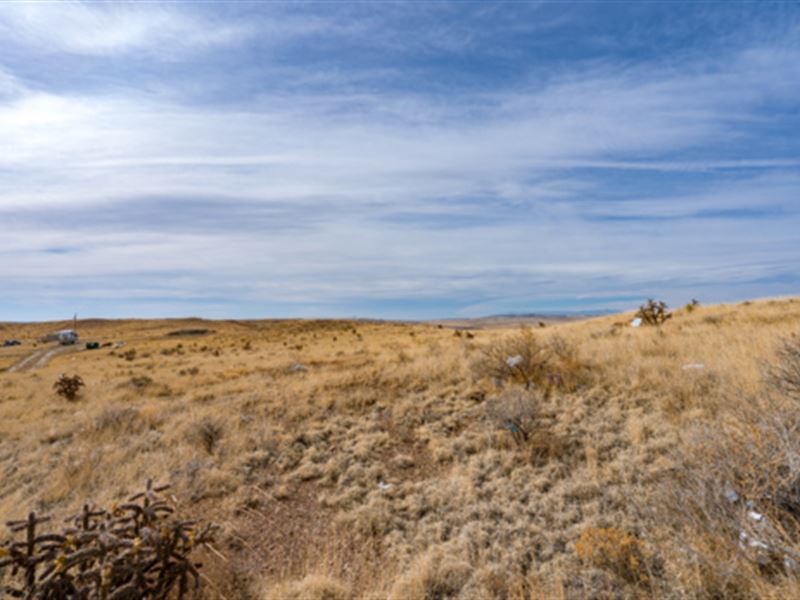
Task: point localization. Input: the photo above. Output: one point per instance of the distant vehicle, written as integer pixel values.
(12, 343)
(67, 337)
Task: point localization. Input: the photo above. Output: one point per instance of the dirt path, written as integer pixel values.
(40, 358)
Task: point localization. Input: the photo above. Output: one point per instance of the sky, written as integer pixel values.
(395, 160)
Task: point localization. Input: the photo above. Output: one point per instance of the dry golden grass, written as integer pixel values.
(371, 460)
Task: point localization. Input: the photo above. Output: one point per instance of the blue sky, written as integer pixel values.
(400, 160)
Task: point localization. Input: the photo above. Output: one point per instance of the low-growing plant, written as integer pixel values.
(524, 359)
(135, 550)
(654, 312)
(140, 381)
(129, 355)
(515, 411)
(616, 551)
(68, 387)
(209, 432)
(692, 305)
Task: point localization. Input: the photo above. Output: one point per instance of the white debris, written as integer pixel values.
(636, 322)
(513, 361)
(745, 541)
(298, 368)
(693, 366)
(383, 485)
(731, 495)
(755, 516)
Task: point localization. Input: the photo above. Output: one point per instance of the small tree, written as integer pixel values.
(68, 387)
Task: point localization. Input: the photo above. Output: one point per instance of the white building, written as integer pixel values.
(67, 337)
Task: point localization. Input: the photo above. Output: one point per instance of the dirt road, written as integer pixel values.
(40, 358)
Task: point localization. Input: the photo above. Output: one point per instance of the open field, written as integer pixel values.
(380, 460)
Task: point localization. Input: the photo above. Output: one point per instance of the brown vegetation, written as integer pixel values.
(133, 550)
(353, 459)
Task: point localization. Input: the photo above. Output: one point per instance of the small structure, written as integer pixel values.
(67, 337)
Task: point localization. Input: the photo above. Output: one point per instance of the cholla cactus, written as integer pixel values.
(68, 387)
(136, 550)
(654, 312)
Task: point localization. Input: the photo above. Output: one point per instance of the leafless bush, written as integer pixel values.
(135, 550)
(524, 359)
(208, 432)
(733, 506)
(515, 411)
(68, 387)
(785, 376)
(518, 412)
(654, 312)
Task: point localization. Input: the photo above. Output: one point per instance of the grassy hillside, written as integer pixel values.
(354, 459)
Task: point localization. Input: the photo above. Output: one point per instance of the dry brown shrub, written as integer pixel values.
(140, 382)
(436, 574)
(616, 551)
(525, 359)
(732, 507)
(517, 411)
(119, 419)
(312, 587)
(785, 375)
(208, 432)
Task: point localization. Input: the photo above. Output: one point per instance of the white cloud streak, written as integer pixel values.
(420, 196)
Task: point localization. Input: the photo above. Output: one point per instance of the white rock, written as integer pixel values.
(636, 322)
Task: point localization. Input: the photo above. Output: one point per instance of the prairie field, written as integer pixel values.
(356, 459)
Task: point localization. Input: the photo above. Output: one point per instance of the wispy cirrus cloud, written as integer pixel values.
(288, 171)
(105, 28)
